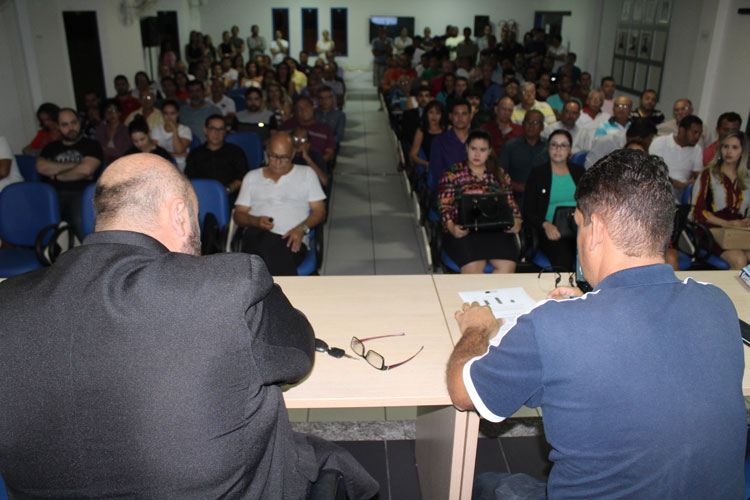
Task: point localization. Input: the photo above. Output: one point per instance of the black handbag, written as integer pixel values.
(565, 222)
(484, 212)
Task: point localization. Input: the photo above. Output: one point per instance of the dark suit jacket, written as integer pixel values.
(536, 197)
(129, 370)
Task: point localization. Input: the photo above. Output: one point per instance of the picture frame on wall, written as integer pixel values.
(626, 8)
(632, 45)
(665, 11)
(644, 45)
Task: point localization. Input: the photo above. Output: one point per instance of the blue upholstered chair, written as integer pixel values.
(579, 158)
(251, 144)
(27, 166)
(212, 198)
(29, 215)
(87, 210)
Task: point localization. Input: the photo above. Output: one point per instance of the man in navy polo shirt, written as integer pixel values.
(639, 380)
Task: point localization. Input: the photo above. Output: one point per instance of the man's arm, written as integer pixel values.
(317, 215)
(4, 168)
(243, 218)
(477, 325)
(68, 171)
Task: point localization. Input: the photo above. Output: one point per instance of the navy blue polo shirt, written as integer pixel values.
(640, 385)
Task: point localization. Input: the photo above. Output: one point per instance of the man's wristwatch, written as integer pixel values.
(305, 229)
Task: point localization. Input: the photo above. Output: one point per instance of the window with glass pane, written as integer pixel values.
(339, 31)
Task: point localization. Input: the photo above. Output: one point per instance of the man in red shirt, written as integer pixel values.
(502, 129)
(726, 123)
(128, 103)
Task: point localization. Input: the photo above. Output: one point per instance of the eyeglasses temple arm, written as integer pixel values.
(383, 336)
(407, 360)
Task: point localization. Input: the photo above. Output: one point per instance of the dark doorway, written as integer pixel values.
(550, 22)
(479, 23)
(159, 35)
(309, 30)
(280, 23)
(84, 53)
(166, 25)
(339, 31)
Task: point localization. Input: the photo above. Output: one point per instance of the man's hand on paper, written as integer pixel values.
(479, 319)
(564, 292)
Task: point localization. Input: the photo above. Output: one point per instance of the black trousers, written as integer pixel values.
(279, 259)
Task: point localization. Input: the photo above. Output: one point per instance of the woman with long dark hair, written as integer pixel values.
(434, 123)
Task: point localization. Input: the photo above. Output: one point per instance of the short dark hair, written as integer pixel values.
(170, 102)
(168, 79)
(541, 115)
(424, 88)
(121, 77)
(574, 101)
(633, 195)
(139, 124)
(111, 102)
(640, 128)
(472, 92)
(561, 131)
(195, 82)
(214, 116)
(729, 116)
(459, 102)
(607, 79)
(689, 121)
(49, 109)
(304, 98)
(253, 90)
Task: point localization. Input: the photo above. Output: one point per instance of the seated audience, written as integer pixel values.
(256, 119)
(449, 147)
(252, 76)
(664, 416)
(133, 367)
(326, 112)
(608, 87)
(544, 87)
(9, 172)
(304, 156)
(173, 136)
(142, 82)
(563, 95)
(512, 89)
(283, 75)
(433, 124)
(583, 87)
(142, 141)
(681, 108)
(726, 123)
(278, 205)
(128, 103)
(520, 155)
(550, 186)
(529, 102)
(640, 131)
(502, 129)
(331, 81)
(111, 134)
(48, 131)
(299, 79)
(592, 116)
(681, 153)
(148, 109)
(569, 122)
(229, 74)
(412, 118)
(479, 113)
(218, 160)
(197, 110)
(647, 108)
(721, 195)
(222, 101)
(399, 97)
(490, 90)
(169, 92)
(448, 87)
(322, 140)
(91, 115)
(620, 120)
(181, 81)
(69, 165)
(436, 84)
(462, 85)
(278, 102)
(472, 250)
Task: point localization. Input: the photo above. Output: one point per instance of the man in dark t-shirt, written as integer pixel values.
(217, 159)
(69, 165)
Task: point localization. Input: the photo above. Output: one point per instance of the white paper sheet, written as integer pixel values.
(506, 303)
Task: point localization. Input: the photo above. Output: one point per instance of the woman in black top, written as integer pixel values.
(434, 123)
(561, 177)
(142, 142)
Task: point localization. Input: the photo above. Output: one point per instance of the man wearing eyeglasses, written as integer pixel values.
(620, 120)
(216, 159)
(278, 205)
(640, 398)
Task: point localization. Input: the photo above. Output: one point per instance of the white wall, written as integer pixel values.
(219, 15)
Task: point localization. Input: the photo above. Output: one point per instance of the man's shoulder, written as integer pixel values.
(232, 149)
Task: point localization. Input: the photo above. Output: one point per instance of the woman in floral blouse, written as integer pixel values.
(721, 195)
(477, 174)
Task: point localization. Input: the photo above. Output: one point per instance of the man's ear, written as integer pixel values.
(179, 218)
(598, 231)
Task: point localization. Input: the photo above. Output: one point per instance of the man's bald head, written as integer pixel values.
(136, 192)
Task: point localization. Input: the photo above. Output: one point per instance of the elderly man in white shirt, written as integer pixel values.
(582, 137)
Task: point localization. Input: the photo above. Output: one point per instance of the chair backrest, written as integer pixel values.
(212, 197)
(239, 101)
(87, 210)
(194, 143)
(579, 158)
(251, 144)
(26, 208)
(27, 166)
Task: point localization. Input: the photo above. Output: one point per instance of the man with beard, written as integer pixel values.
(151, 372)
(256, 118)
(69, 165)
(194, 113)
(128, 103)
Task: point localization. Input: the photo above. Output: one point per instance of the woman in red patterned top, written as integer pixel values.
(721, 195)
(477, 174)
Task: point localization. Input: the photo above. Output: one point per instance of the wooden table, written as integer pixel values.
(340, 307)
